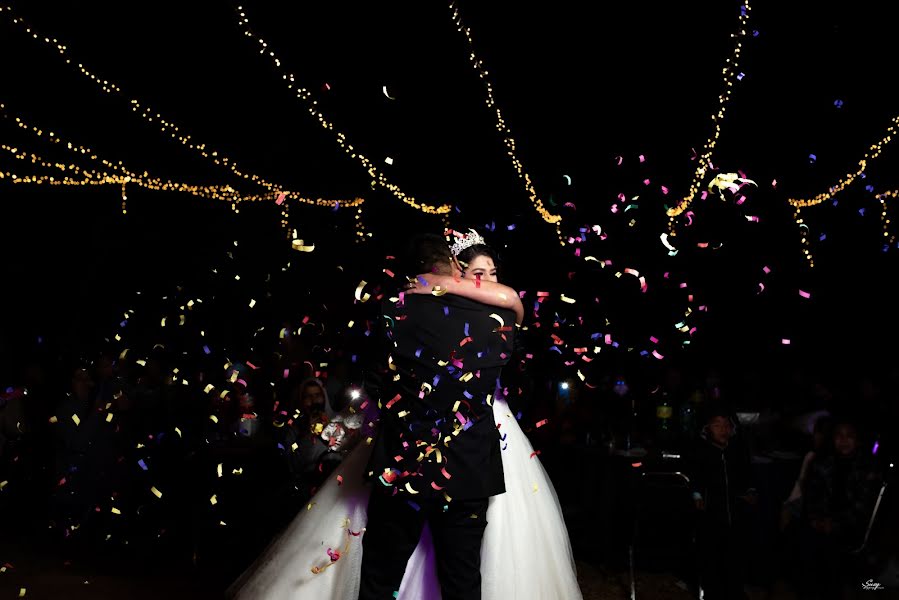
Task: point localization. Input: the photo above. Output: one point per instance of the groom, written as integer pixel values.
(436, 458)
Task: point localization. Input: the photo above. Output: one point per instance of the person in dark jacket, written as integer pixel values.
(720, 477)
(839, 494)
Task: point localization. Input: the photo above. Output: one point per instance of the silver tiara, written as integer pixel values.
(466, 240)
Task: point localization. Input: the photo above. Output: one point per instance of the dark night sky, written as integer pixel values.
(579, 84)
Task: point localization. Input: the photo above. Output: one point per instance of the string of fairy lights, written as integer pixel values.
(173, 131)
(799, 203)
(730, 72)
(502, 127)
(889, 238)
(117, 174)
(378, 178)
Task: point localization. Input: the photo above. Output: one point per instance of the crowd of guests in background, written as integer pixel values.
(783, 479)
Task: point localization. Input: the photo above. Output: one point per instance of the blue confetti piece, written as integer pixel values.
(823, 237)
(555, 348)
(353, 358)
(861, 211)
(511, 227)
(755, 33)
(741, 76)
(466, 330)
(518, 416)
(812, 158)
(467, 394)
(123, 323)
(142, 464)
(206, 349)
(644, 352)
(446, 311)
(838, 103)
(595, 336)
(457, 209)
(414, 505)
(869, 188)
(503, 438)
(418, 353)
(435, 381)
(505, 446)
(614, 344)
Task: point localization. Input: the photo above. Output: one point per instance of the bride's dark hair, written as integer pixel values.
(472, 252)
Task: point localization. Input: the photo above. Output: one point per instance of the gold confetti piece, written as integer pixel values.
(109, 417)
(141, 362)
(178, 431)
(402, 413)
(252, 302)
(498, 318)
(237, 278)
(53, 419)
(218, 469)
(438, 291)
(581, 375)
(162, 323)
(294, 446)
(209, 387)
(213, 418)
(76, 419)
(123, 354)
(116, 511)
(359, 296)
(3, 484)
(213, 500)
(310, 505)
(118, 338)
(223, 524)
(350, 324)
(535, 488)
(298, 245)
(156, 492)
(567, 300)
(237, 471)
(22, 592)
(181, 320)
(223, 394)
(409, 488)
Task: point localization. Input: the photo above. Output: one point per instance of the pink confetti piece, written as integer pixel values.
(785, 342)
(281, 198)
(642, 158)
(804, 294)
(766, 270)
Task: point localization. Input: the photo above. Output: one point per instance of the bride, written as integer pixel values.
(525, 553)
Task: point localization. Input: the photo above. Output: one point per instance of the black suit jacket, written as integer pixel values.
(437, 436)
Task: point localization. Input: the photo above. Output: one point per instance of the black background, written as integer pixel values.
(579, 84)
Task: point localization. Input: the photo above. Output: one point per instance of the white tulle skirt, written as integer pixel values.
(525, 554)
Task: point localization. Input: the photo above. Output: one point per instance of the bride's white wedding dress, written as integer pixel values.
(525, 555)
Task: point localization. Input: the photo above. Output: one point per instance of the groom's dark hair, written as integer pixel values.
(428, 253)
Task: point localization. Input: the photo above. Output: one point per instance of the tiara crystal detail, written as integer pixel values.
(466, 240)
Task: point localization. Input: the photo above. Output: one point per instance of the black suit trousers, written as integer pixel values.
(394, 529)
